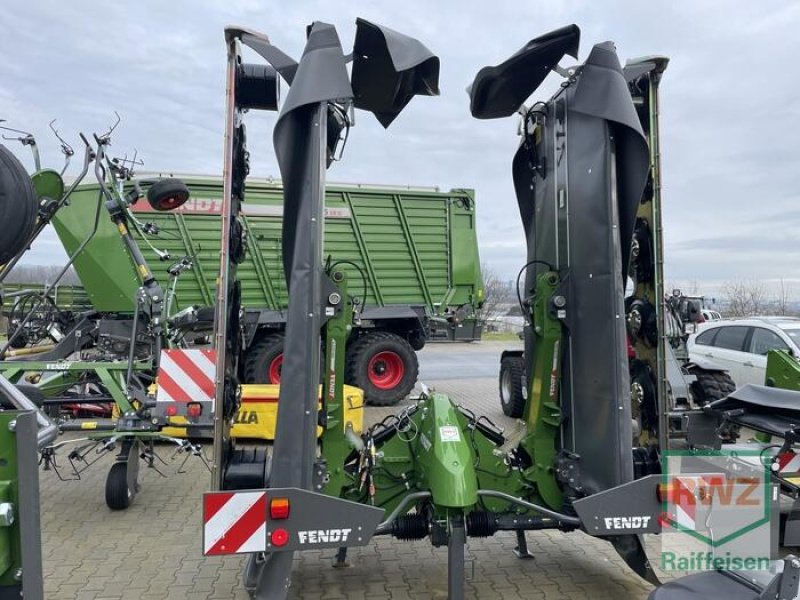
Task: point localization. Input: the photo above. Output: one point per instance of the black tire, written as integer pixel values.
(384, 365)
(261, 356)
(643, 394)
(118, 495)
(18, 341)
(512, 386)
(18, 206)
(711, 386)
(167, 194)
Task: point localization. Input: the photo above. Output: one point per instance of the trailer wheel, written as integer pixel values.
(384, 365)
(264, 360)
(512, 386)
(119, 495)
(18, 206)
(710, 386)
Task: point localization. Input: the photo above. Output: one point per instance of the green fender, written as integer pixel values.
(48, 184)
(444, 456)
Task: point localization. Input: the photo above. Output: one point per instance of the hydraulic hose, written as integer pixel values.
(386, 525)
(569, 519)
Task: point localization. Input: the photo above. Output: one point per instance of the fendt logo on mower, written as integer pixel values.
(323, 536)
(627, 522)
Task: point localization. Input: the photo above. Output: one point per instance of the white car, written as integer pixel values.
(740, 346)
(710, 315)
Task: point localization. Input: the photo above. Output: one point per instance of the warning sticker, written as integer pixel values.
(426, 443)
(449, 433)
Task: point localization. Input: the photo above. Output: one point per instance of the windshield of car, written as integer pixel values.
(793, 332)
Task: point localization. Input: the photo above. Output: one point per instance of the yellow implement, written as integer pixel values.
(259, 411)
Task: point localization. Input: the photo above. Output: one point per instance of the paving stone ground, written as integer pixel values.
(153, 549)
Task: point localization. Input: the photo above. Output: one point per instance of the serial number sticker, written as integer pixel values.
(449, 433)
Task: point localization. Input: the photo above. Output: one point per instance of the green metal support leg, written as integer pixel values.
(455, 558)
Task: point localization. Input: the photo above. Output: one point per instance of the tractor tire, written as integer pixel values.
(19, 206)
(512, 386)
(710, 386)
(264, 360)
(118, 494)
(382, 364)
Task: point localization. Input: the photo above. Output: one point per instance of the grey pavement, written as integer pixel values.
(153, 549)
(460, 360)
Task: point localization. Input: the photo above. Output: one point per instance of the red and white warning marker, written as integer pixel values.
(234, 522)
(186, 376)
(787, 463)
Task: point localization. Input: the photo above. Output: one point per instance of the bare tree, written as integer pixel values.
(41, 275)
(744, 298)
(782, 300)
(495, 292)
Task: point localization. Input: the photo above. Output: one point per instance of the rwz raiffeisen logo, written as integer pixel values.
(715, 510)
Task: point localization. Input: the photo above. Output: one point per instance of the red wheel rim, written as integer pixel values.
(385, 370)
(274, 370)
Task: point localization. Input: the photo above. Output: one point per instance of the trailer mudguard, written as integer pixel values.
(579, 175)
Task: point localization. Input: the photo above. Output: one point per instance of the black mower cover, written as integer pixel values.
(389, 69)
(499, 91)
(579, 176)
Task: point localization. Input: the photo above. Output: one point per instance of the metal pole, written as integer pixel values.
(47, 430)
(221, 432)
(29, 523)
(455, 558)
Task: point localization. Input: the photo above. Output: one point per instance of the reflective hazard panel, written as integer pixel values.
(234, 522)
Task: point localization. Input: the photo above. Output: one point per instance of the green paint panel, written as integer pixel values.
(415, 247)
(444, 457)
(783, 371)
(10, 543)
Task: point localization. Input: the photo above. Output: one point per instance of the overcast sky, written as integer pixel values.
(730, 106)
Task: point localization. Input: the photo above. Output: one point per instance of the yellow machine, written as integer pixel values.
(259, 411)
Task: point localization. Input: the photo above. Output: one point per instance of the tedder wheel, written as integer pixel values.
(122, 483)
(18, 206)
(512, 386)
(119, 495)
(264, 360)
(167, 194)
(384, 365)
(711, 385)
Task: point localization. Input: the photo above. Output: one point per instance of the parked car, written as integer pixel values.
(740, 346)
(710, 315)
